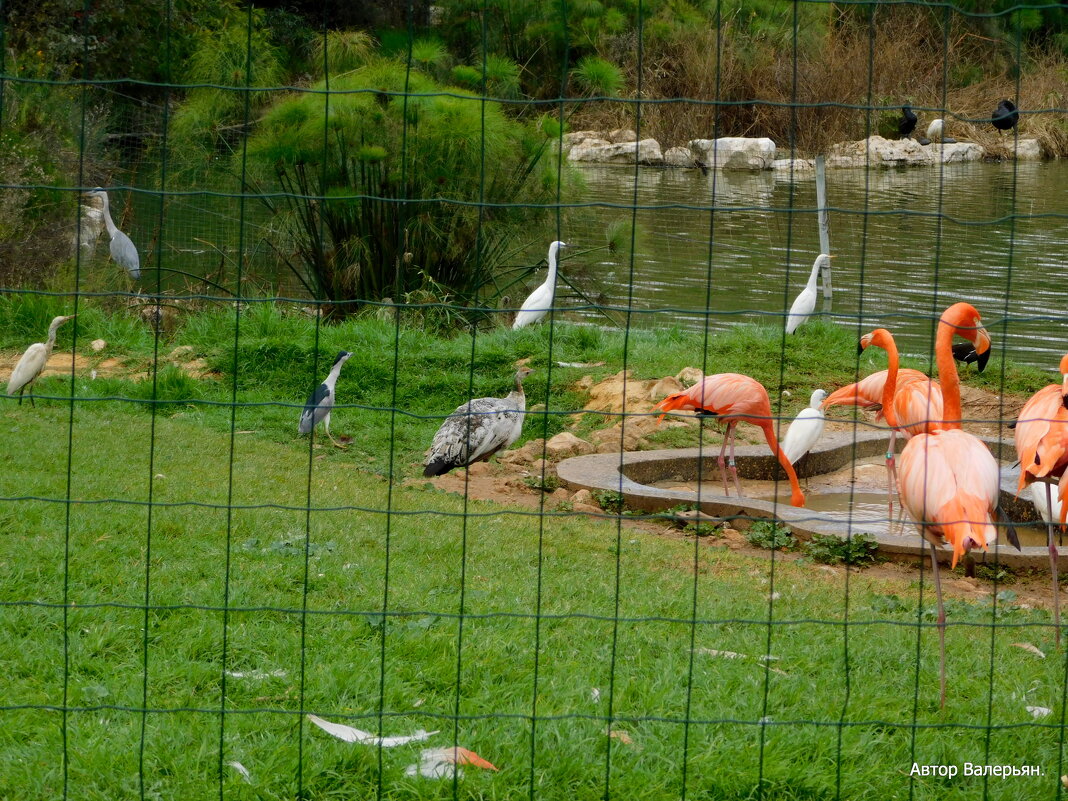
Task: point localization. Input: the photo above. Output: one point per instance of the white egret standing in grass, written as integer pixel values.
(478, 429)
(122, 247)
(321, 401)
(540, 301)
(806, 429)
(33, 361)
(805, 303)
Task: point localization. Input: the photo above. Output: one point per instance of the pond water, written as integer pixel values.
(907, 243)
(730, 246)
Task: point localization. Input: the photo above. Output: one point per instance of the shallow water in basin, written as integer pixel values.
(855, 495)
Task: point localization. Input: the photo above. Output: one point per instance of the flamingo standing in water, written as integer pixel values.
(882, 338)
(1042, 445)
(734, 398)
(916, 400)
(948, 479)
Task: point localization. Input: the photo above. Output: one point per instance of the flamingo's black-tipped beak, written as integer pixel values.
(860, 348)
(983, 358)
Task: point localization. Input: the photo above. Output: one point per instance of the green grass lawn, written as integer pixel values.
(384, 605)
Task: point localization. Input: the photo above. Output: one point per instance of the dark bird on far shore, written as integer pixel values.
(907, 124)
(1005, 116)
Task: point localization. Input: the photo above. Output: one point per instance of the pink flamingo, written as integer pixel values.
(948, 479)
(735, 398)
(1042, 445)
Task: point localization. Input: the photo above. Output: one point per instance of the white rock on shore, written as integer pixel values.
(875, 151)
(679, 157)
(735, 152)
(797, 165)
(1028, 150)
(647, 151)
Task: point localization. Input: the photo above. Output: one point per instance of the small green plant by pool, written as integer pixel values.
(610, 501)
(860, 549)
(770, 535)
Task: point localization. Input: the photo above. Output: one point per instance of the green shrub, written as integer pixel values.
(610, 501)
(771, 535)
(441, 147)
(547, 483)
(859, 550)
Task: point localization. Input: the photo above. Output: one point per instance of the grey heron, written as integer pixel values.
(477, 430)
(33, 361)
(321, 401)
(540, 301)
(122, 247)
(805, 303)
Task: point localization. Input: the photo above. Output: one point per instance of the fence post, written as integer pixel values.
(825, 231)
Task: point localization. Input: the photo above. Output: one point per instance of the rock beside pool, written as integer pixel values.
(567, 444)
(875, 151)
(689, 376)
(664, 387)
(735, 152)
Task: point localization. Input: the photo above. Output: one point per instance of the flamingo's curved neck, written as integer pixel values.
(890, 388)
(947, 374)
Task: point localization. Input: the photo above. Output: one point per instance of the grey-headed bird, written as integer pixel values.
(123, 250)
(321, 401)
(477, 430)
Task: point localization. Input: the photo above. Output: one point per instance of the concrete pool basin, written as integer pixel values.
(635, 474)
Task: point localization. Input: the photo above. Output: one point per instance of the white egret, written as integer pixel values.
(540, 301)
(122, 247)
(321, 401)
(478, 429)
(33, 361)
(806, 429)
(805, 303)
(1047, 503)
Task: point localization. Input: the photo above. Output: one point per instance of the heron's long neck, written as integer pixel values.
(947, 374)
(550, 279)
(335, 371)
(890, 388)
(108, 222)
(814, 275)
(51, 341)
